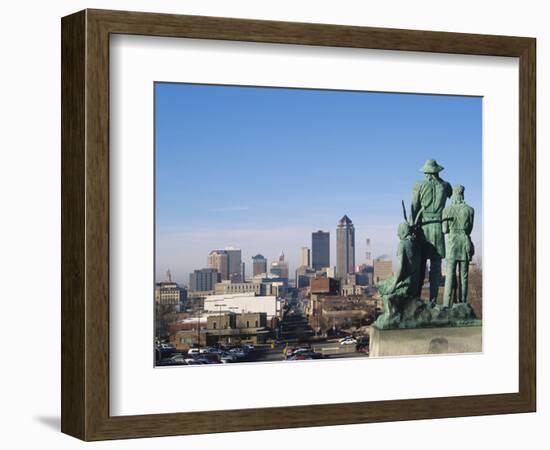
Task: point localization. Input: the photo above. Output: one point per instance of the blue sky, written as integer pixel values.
(261, 168)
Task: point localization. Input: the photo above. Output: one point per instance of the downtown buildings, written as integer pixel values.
(345, 247)
(259, 265)
(168, 292)
(203, 280)
(228, 263)
(305, 257)
(320, 250)
(280, 267)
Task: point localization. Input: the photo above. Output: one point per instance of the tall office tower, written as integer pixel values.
(219, 260)
(234, 264)
(305, 257)
(243, 274)
(320, 249)
(259, 265)
(203, 280)
(280, 267)
(345, 247)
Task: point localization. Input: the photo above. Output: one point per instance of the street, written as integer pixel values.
(329, 349)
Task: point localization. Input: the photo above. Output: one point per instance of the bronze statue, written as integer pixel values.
(458, 221)
(430, 195)
(403, 285)
(422, 238)
(408, 272)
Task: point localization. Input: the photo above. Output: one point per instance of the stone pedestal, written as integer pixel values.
(424, 341)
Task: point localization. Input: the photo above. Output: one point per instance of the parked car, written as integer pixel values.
(248, 348)
(193, 351)
(178, 358)
(164, 349)
(348, 341)
(196, 361)
(212, 358)
(227, 357)
(238, 352)
(174, 360)
(206, 350)
(305, 355)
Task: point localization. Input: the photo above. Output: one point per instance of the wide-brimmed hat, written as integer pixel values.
(431, 166)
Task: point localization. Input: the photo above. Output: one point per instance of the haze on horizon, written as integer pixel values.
(263, 168)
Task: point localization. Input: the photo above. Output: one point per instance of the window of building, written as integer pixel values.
(214, 325)
(256, 324)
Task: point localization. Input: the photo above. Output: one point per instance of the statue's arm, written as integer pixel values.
(445, 221)
(470, 224)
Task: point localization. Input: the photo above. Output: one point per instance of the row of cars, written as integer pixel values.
(208, 355)
(301, 354)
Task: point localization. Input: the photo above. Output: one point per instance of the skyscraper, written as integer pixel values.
(219, 260)
(345, 247)
(243, 272)
(280, 267)
(320, 249)
(234, 262)
(259, 265)
(305, 256)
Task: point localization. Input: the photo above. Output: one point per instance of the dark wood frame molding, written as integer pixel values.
(85, 224)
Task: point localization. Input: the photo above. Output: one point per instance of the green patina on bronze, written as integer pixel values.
(430, 196)
(458, 221)
(421, 238)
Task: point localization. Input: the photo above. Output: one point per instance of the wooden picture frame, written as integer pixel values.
(85, 224)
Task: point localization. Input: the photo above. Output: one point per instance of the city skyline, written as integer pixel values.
(294, 161)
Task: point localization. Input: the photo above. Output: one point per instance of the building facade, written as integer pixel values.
(305, 257)
(280, 267)
(303, 276)
(219, 260)
(168, 292)
(259, 265)
(226, 287)
(234, 265)
(204, 280)
(320, 249)
(323, 285)
(345, 247)
(243, 303)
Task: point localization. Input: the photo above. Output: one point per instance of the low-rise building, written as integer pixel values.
(168, 292)
(243, 303)
(230, 328)
(203, 280)
(351, 289)
(304, 274)
(324, 285)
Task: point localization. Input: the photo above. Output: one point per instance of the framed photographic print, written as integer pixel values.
(272, 225)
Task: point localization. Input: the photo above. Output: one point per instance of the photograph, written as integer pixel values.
(298, 224)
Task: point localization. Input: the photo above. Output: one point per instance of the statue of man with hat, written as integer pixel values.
(458, 221)
(429, 198)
